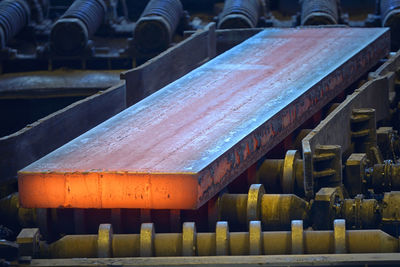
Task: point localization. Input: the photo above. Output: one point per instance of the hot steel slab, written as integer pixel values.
(180, 146)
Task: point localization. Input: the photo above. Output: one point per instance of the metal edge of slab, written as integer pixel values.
(274, 131)
(170, 65)
(219, 173)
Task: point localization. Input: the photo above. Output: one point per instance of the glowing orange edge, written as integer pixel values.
(108, 190)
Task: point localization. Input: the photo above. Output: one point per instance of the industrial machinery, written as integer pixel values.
(176, 132)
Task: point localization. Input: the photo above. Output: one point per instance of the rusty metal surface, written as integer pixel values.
(180, 146)
(170, 65)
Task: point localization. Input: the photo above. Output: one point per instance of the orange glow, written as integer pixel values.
(179, 147)
(108, 190)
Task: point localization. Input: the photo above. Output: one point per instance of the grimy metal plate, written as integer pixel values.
(180, 146)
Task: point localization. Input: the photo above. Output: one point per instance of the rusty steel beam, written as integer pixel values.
(180, 146)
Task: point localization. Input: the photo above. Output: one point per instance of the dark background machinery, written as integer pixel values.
(50, 36)
(57, 53)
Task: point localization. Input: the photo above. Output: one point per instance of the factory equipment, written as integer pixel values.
(284, 150)
(167, 161)
(320, 12)
(240, 14)
(14, 16)
(155, 29)
(70, 34)
(390, 10)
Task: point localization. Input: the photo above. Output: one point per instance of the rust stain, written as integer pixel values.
(180, 146)
(237, 158)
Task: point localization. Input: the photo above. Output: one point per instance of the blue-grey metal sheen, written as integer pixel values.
(390, 16)
(70, 34)
(387, 7)
(319, 12)
(14, 15)
(180, 146)
(90, 12)
(170, 10)
(154, 30)
(240, 14)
